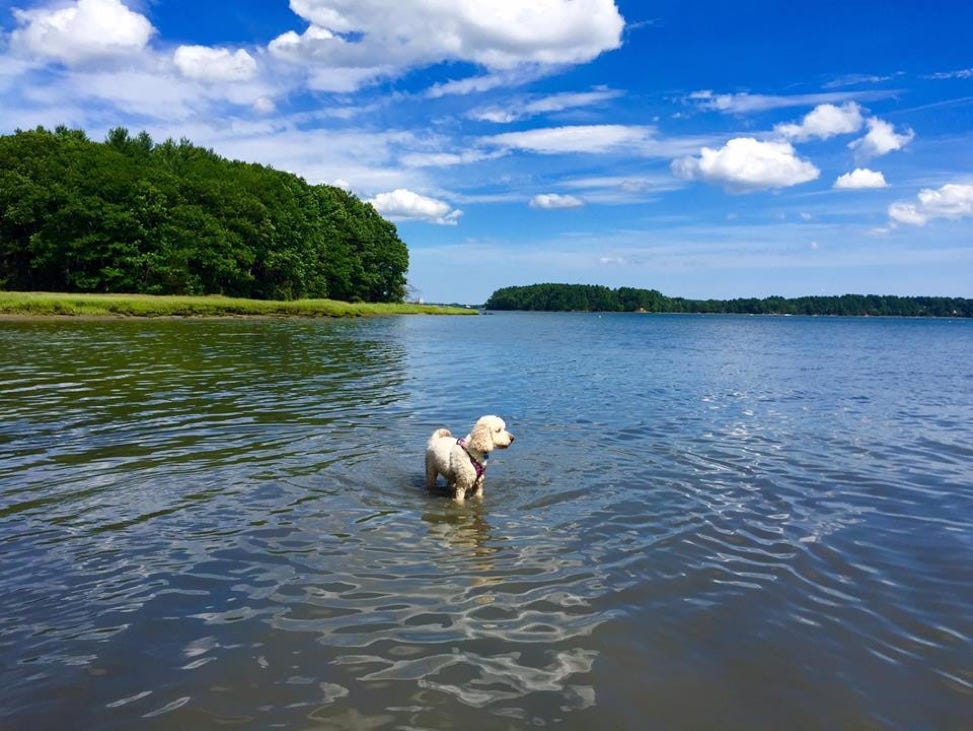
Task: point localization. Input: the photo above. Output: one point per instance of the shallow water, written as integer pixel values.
(704, 522)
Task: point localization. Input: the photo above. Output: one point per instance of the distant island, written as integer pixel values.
(596, 298)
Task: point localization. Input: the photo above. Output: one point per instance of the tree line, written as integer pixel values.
(130, 215)
(596, 298)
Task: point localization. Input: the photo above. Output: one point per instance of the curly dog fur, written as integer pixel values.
(463, 461)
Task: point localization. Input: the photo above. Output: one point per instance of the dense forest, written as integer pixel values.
(130, 215)
(594, 298)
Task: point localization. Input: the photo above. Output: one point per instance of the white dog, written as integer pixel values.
(463, 461)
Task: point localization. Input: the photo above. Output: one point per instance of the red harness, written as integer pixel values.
(480, 468)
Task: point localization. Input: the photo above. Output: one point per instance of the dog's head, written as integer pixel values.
(489, 433)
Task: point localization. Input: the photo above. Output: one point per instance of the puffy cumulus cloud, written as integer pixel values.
(326, 73)
(214, 64)
(953, 200)
(86, 30)
(595, 138)
(375, 38)
(555, 200)
(860, 178)
(746, 164)
(880, 139)
(403, 204)
(907, 213)
(824, 121)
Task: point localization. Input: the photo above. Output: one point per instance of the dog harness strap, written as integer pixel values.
(480, 469)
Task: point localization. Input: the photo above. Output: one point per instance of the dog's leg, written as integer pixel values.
(460, 486)
(477, 490)
(431, 472)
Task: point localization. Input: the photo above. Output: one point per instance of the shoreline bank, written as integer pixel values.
(20, 305)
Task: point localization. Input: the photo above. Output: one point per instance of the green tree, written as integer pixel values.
(575, 297)
(128, 215)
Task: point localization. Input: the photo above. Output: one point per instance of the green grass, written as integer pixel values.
(41, 304)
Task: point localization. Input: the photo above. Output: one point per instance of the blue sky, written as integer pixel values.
(707, 149)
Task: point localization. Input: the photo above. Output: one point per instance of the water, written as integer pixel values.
(722, 522)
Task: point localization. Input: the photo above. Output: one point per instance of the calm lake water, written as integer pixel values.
(705, 522)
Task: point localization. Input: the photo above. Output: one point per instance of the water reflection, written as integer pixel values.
(466, 532)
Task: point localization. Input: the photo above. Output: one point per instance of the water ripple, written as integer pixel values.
(210, 523)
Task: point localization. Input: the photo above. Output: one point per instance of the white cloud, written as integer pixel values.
(486, 82)
(11, 71)
(597, 138)
(136, 92)
(746, 164)
(402, 204)
(374, 38)
(881, 139)
(860, 178)
(907, 213)
(446, 159)
(856, 79)
(497, 115)
(621, 189)
(309, 48)
(85, 30)
(959, 74)
(214, 64)
(555, 200)
(824, 121)
(147, 93)
(524, 109)
(264, 105)
(364, 161)
(625, 183)
(953, 201)
(745, 103)
(113, 72)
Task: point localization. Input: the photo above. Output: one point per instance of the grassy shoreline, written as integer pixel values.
(65, 304)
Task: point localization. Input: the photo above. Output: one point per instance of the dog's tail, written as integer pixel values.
(439, 434)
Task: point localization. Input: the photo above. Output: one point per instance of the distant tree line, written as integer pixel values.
(129, 215)
(595, 298)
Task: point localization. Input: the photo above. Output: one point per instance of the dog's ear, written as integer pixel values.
(480, 438)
